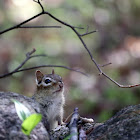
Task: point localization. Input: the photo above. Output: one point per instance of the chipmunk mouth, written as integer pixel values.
(58, 90)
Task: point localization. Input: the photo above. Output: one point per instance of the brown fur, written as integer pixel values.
(50, 97)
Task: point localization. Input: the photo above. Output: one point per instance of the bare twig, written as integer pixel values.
(78, 27)
(119, 85)
(105, 64)
(40, 27)
(73, 125)
(78, 35)
(38, 55)
(40, 66)
(68, 117)
(19, 25)
(57, 66)
(29, 56)
(88, 33)
(38, 1)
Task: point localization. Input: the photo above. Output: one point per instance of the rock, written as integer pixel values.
(10, 124)
(125, 125)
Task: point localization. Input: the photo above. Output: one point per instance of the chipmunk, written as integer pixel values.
(49, 95)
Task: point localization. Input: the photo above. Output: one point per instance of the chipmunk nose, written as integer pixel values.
(61, 85)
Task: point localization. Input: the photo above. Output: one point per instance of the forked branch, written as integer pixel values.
(30, 55)
(98, 66)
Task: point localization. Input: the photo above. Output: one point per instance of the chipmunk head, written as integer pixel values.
(49, 84)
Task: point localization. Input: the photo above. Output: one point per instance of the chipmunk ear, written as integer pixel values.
(53, 71)
(39, 76)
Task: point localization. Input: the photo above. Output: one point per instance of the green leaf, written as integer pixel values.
(30, 123)
(22, 111)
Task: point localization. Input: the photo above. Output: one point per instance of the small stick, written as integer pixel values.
(73, 125)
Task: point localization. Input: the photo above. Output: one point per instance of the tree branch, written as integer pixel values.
(73, 126)
(78, 35)
(19, 25)
(39, 27)
(87, 33)
(29, 56)
(119, 85)
(38, 1)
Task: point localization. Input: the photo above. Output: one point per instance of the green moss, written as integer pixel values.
(104, 115)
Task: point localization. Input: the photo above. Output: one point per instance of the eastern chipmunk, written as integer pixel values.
(49, 95)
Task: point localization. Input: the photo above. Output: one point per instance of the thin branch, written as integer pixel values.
(78, 35)
(89, 33)
(38, 55)
(40, 27)
(104, 65)
(38, 1)
(78, 27)
(29, 56)
(19, 25)
(40, 66)
(68, 117)
(73, 125)
(57, 66)
(85, 46)
(119, 85)
(94, 61)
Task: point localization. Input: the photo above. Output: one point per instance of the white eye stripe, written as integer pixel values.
(38, 83)
(48, 78)
(45, 85)
(52, 80)
(48, 83)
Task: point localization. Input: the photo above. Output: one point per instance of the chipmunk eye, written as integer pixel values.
(47, 81)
